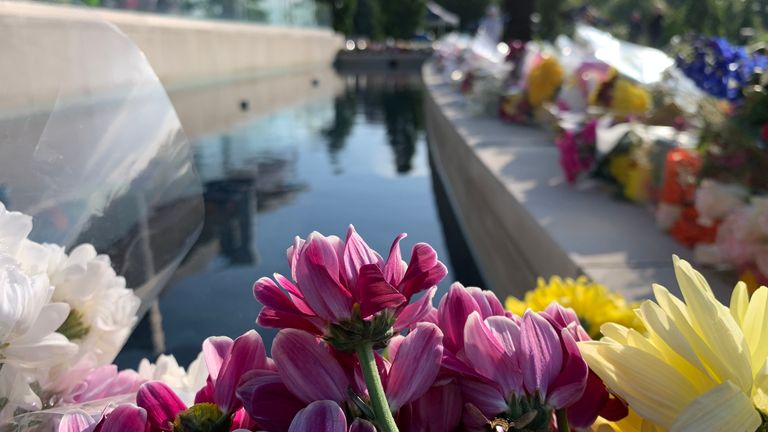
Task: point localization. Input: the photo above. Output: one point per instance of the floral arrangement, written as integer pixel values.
(621, 96)
(532, 90)
(63, 319)
(578, 150)
(718, 67)
(362, 348)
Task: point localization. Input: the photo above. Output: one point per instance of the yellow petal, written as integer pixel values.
(674, 347)
(755, 327)
(760, 393)
(650, 386)
(739, 302)
(714, 323)
(676, 310)
(615, 332)
(724, 408)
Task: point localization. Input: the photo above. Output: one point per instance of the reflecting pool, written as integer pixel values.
(357, 157)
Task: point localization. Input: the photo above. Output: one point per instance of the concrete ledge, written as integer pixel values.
(182, 52)
(524, 221)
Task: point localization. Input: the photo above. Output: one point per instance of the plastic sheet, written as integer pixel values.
(643, 64)
(91, 147)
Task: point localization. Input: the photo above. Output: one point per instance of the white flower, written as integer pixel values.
(103, 309)
(715, 200)
(14, 228)
(29, 343)
(184, 382)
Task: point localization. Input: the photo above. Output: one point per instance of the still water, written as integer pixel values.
(359, 157)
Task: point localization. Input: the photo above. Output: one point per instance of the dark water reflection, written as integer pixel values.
(359, 157)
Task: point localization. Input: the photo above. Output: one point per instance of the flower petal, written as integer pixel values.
(487, 397)
(357, 253)
(543, 353)
(395, 267)
(75, 421)
(487, 301)
(307, 367)
(161, 404)
(716, 325)
(416, 311)
(317, 272)
(126, 417)
(374, 292)
(453, 311)
(415, 365)
(755, 328)
(424, 270)
(739, 302)
(656, 390)
(723, 408)
(320, 416)
(360, 425)
(569, 385)
(267, 400)
(247, 353)
(215, 350)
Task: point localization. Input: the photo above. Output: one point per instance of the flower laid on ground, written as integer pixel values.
(701, 365)
(577, 150)
(593, 303)
(544, 81)
(621, 95)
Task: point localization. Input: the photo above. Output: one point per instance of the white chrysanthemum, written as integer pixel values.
(29, 343)
(103, 309)
(184, 382)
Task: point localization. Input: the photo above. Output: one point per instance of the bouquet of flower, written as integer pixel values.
(63, 318)
(362, 348)
(621, 96)
(718, 67)
(578, 150)
(538, 85)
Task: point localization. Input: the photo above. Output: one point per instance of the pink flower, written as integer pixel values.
(438, 410)
(309, 372)
(336, 281)
(86, 383)
(228, 362)
(508, 364)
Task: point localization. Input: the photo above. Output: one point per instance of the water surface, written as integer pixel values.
(359, 157)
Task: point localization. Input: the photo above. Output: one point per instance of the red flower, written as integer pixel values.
(764, 133)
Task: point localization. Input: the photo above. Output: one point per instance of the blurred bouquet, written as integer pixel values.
(621, 96)
(716, 66)
(578, 150)
(538, 85)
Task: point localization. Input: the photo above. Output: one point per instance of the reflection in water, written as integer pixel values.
(359, 157)
(393, 100)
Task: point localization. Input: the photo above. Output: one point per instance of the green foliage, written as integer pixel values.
(469, 11)
(368, 19)
(551, 23)
(402, 18)
(342, 15)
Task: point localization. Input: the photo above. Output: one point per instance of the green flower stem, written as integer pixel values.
(562, 420)
(375, 390)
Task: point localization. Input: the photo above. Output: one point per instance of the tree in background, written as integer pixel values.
(368, 19)
(342, 15)
(402, 18)
(469, 11)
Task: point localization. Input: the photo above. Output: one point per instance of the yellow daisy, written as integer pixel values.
(594, 304)
(701, 367)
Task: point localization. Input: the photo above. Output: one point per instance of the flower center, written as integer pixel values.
(204, 417)
(74, 326)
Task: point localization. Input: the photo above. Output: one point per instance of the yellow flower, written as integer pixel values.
(701, 367)
(594, 304)
(630, 423)
(544, 81)
(630, 98)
